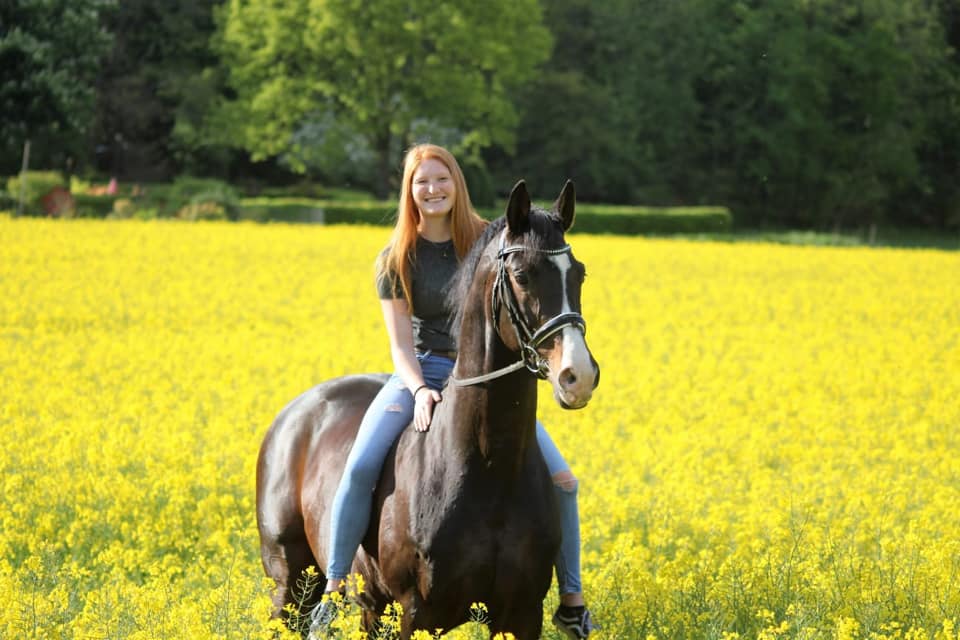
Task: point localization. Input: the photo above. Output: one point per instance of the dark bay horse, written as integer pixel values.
(466, 512)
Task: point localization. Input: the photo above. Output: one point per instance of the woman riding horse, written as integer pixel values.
(436, 226)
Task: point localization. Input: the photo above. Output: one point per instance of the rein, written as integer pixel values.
(504, 296)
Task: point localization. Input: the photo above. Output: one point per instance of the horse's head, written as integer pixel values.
(536, 296)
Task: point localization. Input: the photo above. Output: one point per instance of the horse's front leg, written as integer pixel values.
(524, 623)
(408, 624)
(374, 619)
(369, 623)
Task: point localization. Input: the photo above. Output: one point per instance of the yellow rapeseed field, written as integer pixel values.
(773, 451)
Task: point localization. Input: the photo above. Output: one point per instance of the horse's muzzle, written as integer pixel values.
(577, 372)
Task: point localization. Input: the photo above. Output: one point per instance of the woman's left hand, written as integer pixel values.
(424, 402)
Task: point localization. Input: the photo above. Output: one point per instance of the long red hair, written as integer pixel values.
(465, 224)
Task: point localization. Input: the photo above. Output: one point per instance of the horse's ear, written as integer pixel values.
(565, 204)
(518, 209)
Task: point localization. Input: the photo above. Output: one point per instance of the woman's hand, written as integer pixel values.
(424, 400)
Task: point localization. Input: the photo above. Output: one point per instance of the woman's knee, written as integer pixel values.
(361, 473)
(565, 481)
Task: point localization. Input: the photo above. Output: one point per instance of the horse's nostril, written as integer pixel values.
(567, 378)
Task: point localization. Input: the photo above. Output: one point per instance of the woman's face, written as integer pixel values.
(433, 189)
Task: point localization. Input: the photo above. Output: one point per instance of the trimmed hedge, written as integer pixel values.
(90, 206)
(321, 211)
(168, 200)
(598, 219)
(651, 220)
(377, 213)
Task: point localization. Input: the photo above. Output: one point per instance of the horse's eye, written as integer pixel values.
(521, 278)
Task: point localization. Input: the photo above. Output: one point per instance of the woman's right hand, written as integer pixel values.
(424, 400)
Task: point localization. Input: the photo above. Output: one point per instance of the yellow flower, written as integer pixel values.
(765, 455)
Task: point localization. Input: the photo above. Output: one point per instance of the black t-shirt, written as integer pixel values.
(431, 271)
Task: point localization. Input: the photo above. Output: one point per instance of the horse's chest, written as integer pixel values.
(484, 539)
(462, 534)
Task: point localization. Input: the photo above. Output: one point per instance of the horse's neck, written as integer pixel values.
(493, 423)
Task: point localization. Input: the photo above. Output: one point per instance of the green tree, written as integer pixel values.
(794, 112)
(49, 56)
(156, 84)
(935, 199)
(615, 108)
(830, 120)
(816, 113)
(383, 72)
(570, 127)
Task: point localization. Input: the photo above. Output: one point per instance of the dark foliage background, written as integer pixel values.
(813, 114)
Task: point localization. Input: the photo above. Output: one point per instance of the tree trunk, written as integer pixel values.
(381, 146)
(23, 177)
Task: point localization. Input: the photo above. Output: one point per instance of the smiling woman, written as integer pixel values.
(465, 514)
(338, 506)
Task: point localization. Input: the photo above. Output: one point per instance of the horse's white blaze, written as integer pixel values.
(576, 356)
(563, 263)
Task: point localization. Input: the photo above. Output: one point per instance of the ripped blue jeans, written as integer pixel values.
(388, 415)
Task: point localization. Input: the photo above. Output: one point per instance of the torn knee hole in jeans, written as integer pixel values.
(565, 480)
(393, 408)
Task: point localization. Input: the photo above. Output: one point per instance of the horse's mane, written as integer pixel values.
(543, 226)
(460, 284)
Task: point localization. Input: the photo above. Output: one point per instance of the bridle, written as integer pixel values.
(504, 297)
